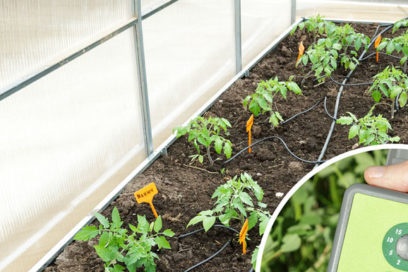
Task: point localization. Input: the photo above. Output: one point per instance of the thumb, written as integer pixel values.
(394, 177)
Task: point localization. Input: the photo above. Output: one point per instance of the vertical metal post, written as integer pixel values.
(293, 12)
(238, 40)
(141, 67)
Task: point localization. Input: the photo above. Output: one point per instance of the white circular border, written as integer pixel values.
(306, 178)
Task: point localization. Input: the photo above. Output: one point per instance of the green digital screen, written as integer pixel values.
(373, 228)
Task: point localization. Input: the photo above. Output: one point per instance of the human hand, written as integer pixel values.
(394, 177)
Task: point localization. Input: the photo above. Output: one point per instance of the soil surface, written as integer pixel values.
(185, 189)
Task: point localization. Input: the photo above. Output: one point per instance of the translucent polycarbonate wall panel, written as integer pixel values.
(372, 11)
(262, 22)
(190, 54)
(35, 33)
(67, 140)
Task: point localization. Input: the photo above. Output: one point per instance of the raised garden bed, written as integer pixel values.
(185, 189)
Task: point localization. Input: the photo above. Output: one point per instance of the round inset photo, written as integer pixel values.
(348, 214)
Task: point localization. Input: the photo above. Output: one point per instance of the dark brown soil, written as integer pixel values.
(185, 190)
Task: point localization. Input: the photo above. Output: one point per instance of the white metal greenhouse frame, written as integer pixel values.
(90, 91)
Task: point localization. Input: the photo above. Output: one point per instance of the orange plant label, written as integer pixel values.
(249, 125)
(376, 44)
(242, 236)
(301, 51)
(146, 194)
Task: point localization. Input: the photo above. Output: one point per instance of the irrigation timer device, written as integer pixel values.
(372, 232)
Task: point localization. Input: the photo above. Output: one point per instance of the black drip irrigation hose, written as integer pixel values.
(213, 255)
(336, 107)
(325, 109)
(381, 53)
(283, 143)
(280, 139)
(350, 84)
(303, 112)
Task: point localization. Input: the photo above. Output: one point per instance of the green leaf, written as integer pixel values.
(254, 108)
(103, 220)
(162, 242)
(291, 242)
(143, 225)
(208, 222)
(158, 224)
(353, 132)
(218, 145)
(227, 149)
(204, 139)
(252, 220)
(294, 87)
(168, 233)
(311, 219)
(105, 239)
(118, 268)
(86, 233)
(390, 47)
(116, 221)
(344, 120)
(402, 100)
(275, 119)
(107, 254)
(376, 95)
(395, 91)
(337, 46)
(195, 220)
(246, 198)
(263, 224)
(394, 139)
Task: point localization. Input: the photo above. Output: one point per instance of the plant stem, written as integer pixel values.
(209, 156)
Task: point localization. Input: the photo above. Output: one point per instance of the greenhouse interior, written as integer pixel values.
(91, 92)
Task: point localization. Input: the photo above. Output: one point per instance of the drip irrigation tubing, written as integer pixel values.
(381, 53)
(281, 140)
(283, 143)
(350, 84)
(200, 230)
(213, 255)
(209, 258)
(336, 107)
(302, 112)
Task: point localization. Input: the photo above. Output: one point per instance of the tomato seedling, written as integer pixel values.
(207, 132)
(120, 249)
(261, 101)
(239, 199)
(338, 46)
(391, 83)
(370, 130)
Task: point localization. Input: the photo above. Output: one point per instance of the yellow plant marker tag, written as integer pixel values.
(376, 44)
(242, 236)
(249, 124)
(146, 194)
(301, 51)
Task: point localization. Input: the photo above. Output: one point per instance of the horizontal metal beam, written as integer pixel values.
(6, 92)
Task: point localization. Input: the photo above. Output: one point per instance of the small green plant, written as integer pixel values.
(239, 198)
(261, 101)
(206, 132)
(397, 44)
(315, 25)
(339, 47)
(235, 201)
(370, 130)
(391, 83)
(398, 24)
(120, 249)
